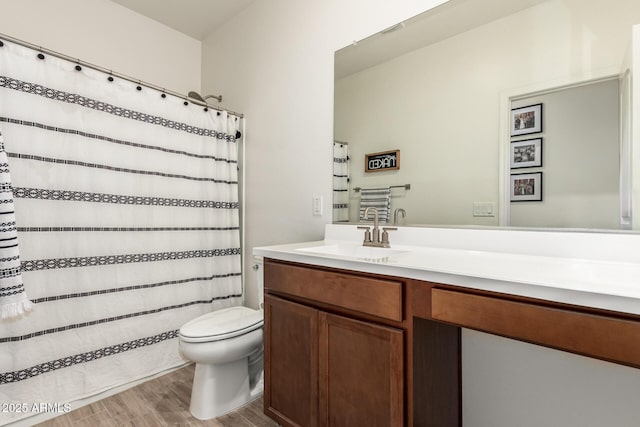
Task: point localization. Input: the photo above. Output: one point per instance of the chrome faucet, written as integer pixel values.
(395, 215)
(374, 239)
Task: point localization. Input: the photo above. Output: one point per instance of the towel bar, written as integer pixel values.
(405, 186)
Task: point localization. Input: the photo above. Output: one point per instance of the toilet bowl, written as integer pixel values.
(227, 348)
(221, 343)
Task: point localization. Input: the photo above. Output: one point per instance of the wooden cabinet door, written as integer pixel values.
(360, 373)
(291, 362)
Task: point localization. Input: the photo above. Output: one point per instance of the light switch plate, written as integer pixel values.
(317, 206)
(484, 209)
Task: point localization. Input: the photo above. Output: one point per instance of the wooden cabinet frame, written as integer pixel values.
(352, 377)
(592, 333)
(431, 315)
(291, 362)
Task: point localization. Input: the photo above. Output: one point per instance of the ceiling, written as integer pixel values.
(195, 18)
(451, 18)
(199, 18)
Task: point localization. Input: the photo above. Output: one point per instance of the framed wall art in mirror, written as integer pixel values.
(526, 187)
(526, 120)
(526, 153)
(581, 156)
(383, 161)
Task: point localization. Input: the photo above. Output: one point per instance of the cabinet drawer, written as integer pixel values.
(374, 296)
(599, 336)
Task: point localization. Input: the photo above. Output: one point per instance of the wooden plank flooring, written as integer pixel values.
(163, 401)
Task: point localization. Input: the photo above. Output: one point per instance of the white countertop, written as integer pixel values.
(598, 278)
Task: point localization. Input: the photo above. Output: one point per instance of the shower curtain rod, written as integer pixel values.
(113, 73)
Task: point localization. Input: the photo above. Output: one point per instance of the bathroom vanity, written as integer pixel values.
(359, 336)
(339, 350)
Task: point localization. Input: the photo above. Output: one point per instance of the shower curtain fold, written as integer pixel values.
(128, 216)
(340, 181)
(13, 297)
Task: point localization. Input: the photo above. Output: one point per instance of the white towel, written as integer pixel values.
(379, 198)
(13, 298)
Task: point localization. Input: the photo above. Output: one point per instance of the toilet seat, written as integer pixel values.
(222, 324)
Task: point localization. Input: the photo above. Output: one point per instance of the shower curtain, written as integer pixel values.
(126, 205)
(340, 181)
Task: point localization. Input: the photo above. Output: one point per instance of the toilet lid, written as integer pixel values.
(222, 324)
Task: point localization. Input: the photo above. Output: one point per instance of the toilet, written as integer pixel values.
(227, 348)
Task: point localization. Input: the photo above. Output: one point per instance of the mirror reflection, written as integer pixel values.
(440, 89)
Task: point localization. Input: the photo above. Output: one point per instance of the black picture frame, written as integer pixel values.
(526, 153)
(526, 120)
(526, 187)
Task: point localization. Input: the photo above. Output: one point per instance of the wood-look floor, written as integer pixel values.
(163, 401)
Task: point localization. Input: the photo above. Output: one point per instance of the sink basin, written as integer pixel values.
(357, 251)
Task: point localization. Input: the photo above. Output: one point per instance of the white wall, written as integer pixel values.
(274, 62)
(507, 383)
(440, 104)
(109, 35)
(635, 131)
(580, 153)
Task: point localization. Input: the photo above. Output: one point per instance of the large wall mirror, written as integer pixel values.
(441, 89)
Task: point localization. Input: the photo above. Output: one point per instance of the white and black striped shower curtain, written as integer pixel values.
(340, 181)
(128, 221)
